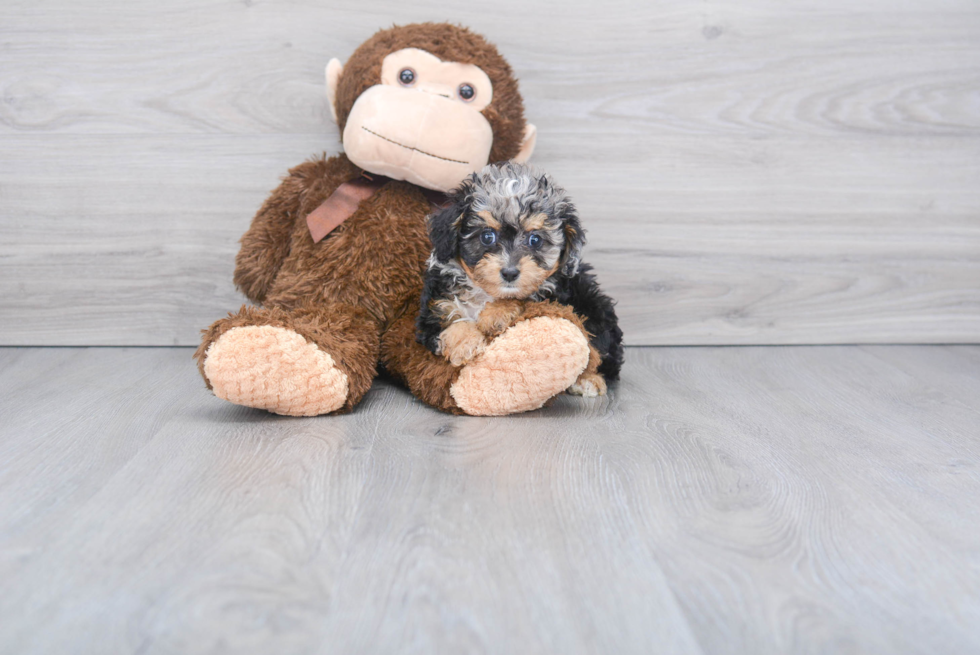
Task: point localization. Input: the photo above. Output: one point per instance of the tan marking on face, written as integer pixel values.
(486, 274)
(532, 276)
(536, 222)
(489, 219)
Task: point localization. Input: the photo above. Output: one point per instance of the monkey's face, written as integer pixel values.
(423, 122)
(510, 254)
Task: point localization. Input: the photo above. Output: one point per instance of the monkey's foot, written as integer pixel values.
(276, 369)
(529, 363)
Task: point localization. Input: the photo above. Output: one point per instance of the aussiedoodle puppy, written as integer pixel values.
(510, 235)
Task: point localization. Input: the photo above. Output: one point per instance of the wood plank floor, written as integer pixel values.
(719, 500)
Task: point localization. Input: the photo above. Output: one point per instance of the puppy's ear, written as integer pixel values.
(571, 254)
(444, 226)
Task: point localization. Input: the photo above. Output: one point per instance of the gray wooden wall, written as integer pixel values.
(750, 172)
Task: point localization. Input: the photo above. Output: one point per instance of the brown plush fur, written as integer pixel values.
(427, 376)
(343, 292)
(356, 293)
(266, 244)
(347, 333)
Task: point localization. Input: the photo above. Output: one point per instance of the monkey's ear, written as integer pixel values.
(527, 145)
(334, 69)
(444, 226)
(571, 254)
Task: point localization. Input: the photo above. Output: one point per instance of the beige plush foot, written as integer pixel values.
(276, 369)
(522, 368)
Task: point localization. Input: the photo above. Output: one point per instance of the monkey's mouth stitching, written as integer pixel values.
(422, 152)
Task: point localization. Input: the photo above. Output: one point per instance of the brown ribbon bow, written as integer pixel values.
(344, 201)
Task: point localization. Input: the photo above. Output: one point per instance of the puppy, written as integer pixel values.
(508, 236)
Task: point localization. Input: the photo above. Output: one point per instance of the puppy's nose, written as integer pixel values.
(509, 274)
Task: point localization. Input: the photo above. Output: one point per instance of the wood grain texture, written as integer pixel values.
(748, 173)
(719, 500)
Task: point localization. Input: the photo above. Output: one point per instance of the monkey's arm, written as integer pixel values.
(266, 243)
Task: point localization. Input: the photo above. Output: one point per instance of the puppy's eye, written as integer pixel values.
(406, 76)
(488, 237)
(534, 241)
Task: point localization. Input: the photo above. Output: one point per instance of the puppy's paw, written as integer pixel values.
(461, 342)
(499, 315)
(589, 385)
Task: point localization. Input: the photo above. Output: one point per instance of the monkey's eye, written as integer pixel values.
(534, 241)
(406, 76)
(466, 92)
(488, 237)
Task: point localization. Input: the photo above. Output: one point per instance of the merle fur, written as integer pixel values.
(573, 284)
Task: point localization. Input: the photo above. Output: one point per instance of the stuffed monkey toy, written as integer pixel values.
(334, 259)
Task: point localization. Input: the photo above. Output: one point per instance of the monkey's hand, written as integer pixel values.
(589, 385)
(461, 342)
(499, 315)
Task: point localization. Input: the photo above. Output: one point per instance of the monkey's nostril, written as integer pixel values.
(509, 274)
